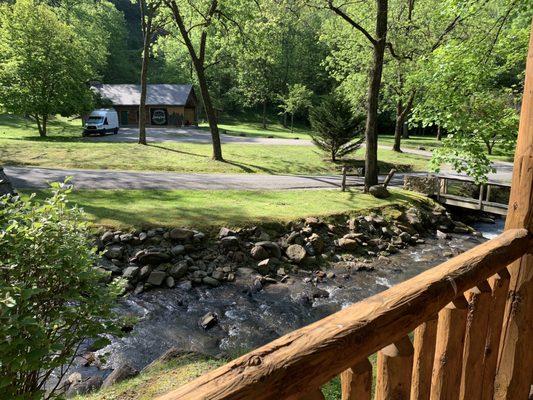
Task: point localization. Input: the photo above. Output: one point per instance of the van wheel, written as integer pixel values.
(115, 131)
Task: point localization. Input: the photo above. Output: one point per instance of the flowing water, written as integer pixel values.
(248, 318)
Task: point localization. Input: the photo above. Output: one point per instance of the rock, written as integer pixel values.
(346, 244)
(181, 234)
(313, 222)
(170, 282)
(268, 265)
(114, 251)
(153, 257)
(109, 266)
(272, 248)
(317, 293)
(218, 275)
(143, 236)
(295, 238)
(198, 236)
(74, 378)
(130, 273)
(225, 232)
(296, 253)
(86, 386)
(309, 249)
(179, 270)
(123, 372)
(156, 278)
(208, 320)
(330, 275)
(126, 237)
(379, 191)
(177, 250)
(259, 253)
(392, 249)
(461, 230)
(229, 242)
(210, 281)
(317, 242)
(107, 237)
(441, 235)
(139, 288)
(405, 237)
(145, 272)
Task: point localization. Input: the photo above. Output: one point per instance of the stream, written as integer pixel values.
(248, 318)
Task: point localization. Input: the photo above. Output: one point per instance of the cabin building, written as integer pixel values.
(166, 104)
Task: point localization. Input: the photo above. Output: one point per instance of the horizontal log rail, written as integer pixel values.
(297, 364)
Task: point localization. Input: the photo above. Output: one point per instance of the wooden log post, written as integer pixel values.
(475, 339)
(424, 354)
(356, 382)
(395, 363)
(343, 184)
(515, 365)
(389, 177)
(500, 285)
(446, 378)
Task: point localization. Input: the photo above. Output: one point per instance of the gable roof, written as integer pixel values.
(157, 94)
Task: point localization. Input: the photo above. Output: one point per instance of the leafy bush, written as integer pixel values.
(337, 129)
(52, 297)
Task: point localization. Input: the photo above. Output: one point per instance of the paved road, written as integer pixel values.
(34, 178)
(190, 135)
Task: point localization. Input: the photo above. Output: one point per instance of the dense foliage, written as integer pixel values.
(51, 296)
(337, 130)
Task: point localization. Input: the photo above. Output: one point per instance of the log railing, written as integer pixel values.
(472, 319)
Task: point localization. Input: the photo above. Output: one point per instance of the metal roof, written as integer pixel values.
(157, 94)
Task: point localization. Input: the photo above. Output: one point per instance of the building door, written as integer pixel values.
(123, 118)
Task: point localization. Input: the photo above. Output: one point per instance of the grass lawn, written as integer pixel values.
(65, 148)
(205, 209)
(255, 129)
(414, 142)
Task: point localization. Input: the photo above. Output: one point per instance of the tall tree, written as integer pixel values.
(378, 42)
(44, 66)
(151, 22)
(197, 22)
(297, 99)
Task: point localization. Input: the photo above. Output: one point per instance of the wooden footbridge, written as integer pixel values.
(472, 319)
(484, 201)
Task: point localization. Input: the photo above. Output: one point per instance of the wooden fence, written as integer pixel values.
(472, 319)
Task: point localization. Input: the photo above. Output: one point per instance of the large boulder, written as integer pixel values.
(271, 247)
(379, 191)
(156, 278)
(123, 372)
(347, 244)
(181, 234)
(153, 258)
(259, 253)
(296, 253)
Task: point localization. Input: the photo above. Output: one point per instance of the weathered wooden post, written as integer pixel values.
(515, 364)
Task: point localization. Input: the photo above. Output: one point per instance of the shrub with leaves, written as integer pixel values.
(52, 298)
(337, 129)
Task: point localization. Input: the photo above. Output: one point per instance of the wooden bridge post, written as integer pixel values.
(394, 369)
(447, 367)
(356, 382)
(424, 354)
(515, 365)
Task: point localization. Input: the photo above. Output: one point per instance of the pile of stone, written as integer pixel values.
(166, 257)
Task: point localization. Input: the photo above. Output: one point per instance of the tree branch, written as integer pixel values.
(354, 24)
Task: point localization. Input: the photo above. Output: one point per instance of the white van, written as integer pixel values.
(100, 122)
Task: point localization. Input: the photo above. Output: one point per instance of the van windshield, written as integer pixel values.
(93, 118)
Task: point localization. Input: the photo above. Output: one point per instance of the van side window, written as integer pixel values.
(105, 121)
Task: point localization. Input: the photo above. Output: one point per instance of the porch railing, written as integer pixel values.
(472, 319)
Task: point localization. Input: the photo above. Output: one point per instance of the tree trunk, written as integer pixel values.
(398, 127)
(39, 127)
(264, 114)
(371, 158)
(284, 119)
(209, 112)
(439, 133)
(144, 77)
(292, 122)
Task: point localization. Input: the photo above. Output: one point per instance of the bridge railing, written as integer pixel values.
(472, 319)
